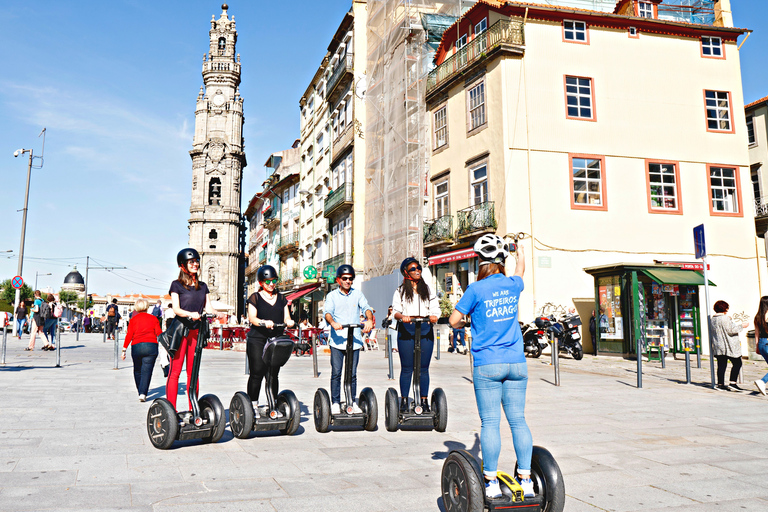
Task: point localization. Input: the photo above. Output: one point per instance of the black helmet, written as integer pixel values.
(185, 255)
(266, 272)
(407, 261)
(345, 269)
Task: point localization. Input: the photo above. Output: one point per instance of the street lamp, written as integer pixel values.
(39, 274)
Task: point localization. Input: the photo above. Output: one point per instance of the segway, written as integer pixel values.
(282, 413)
(415, 415)
(463, 488)
(205, 421)
(368, 404)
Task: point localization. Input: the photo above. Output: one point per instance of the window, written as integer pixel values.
(587, 182)
(751, 130)
(724, 190)
(578, 96)
(711, 46)
(214, 192)
(286, 196)
(645, 9)
(478, 177)
(718, 111)
(461, 42)
(663, 187)
(633, 32)
(441, 199)
(482, 26)
(755, 174)
(476, 106)
(441, 127)
(213, 235)
(575, 31)
(222, 46)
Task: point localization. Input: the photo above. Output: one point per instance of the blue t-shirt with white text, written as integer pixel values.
(492, 302)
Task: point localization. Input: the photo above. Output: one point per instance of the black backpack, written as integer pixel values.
(45, 311)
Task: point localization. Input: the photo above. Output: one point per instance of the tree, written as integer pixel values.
(9, 292)
(80, 303)
(67, 296)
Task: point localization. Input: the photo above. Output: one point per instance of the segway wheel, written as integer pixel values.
(547, 479)
(322, 410)
(241, 415)
(440, 407)
(462, 484)
(212, 409)
(288, 404)
(370, 408)
(578, 351)
(162, 424)
(391, 410)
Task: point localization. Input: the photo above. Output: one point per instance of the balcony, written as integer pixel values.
(501, 33)
(438, 231)
(342, 142)
(262, 257)
(476, 220)
(288, 277)
(761, 216)
(341, 76)
(288, 244)
(271, 217)
(252, 267)
(339, 259)
(338, 199)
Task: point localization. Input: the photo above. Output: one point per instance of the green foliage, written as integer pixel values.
(67, 296)
(80, 303)
(446, 308)
(9, 292)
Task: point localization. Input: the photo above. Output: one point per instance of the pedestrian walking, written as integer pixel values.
(157, 312)
(142, 333)
(189, 297)
(49, 322)
(21, 318)
(113, 316)
(593, 332)
(726, 345)
(761, 333)
(168, 314)
(390, 324)
(37, 321)
(500, 373)
(414, 297)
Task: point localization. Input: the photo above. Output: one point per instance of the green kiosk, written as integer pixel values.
(657, 303)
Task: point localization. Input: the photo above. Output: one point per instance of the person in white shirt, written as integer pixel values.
(414, 297)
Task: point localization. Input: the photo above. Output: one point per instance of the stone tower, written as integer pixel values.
(218, 160)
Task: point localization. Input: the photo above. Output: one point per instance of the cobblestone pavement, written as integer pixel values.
(74, 438)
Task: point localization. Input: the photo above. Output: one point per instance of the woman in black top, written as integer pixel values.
(266, 308)
(190, 298)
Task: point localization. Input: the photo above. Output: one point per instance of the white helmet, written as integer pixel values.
(491, 249)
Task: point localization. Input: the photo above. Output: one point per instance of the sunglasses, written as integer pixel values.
(270, 281)
(345, 278)
(414, 269)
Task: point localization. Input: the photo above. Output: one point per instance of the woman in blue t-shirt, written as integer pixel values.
(500, 374)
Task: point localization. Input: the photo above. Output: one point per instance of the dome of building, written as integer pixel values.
(74, 281)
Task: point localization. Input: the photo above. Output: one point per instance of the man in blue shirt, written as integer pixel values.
(344, 306)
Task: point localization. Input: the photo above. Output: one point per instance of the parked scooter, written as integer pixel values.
(534, 339)
(566, 331)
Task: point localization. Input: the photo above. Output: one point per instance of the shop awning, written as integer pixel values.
(676, 276)
(461, 254)
(302, 292)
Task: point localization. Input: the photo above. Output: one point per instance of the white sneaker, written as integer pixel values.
(760, 386)
(492, 489)
(142, 398)
(527, 486)
(335, 409)
(356, 409)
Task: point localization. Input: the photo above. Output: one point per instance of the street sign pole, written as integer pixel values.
(700, 247)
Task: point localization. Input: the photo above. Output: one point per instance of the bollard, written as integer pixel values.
(639, 349)
(58, 345)
(391, 374)
(104, 330)
(221, 340)
(5, 339)
(438, 345)
(314, 354)
(687, 367)
(698, 356)
(663, 356)
(556, 360)
(117, 347)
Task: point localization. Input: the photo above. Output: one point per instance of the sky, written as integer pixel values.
(115, 83)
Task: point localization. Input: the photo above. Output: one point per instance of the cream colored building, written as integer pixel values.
(757, 138)
(601, 137)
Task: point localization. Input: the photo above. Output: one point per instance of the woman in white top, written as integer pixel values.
(414, 297)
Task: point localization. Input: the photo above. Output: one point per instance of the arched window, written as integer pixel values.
(222, 46)
(214, 192)
(213, 235)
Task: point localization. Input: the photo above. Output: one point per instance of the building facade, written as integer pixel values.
(217, 164)
(757, 138)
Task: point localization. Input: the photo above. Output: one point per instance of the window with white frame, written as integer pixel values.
(711, 46)
(718, 110)
(575, 31)
(461, 42)
(662, 180)
(645, 9)
(482, 26)
(478, 177)
(441, 127)
(755, 175)
(751, 130)
(476, 96)
(722, 183)
(320, 142)
(441, 199)
(587, 181)
(578, 93)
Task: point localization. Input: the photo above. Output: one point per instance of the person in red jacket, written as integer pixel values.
(143, 331)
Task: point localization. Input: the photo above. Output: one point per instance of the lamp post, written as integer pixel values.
(39, 274)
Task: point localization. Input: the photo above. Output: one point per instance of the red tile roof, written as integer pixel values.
(761, 100)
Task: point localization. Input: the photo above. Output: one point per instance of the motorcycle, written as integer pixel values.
(534, 339)
(566, 331)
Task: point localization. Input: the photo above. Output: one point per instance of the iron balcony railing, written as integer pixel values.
(761, 207)
(501, 32)
(342, 67)
(438, 230)
(288, 241)
(339, 259)
(272, 214)
(476, 218)
(262, 257)
(338, 198)
(287, 277)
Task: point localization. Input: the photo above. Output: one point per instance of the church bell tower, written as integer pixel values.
(218, 160)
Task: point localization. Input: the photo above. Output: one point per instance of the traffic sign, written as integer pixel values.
(699, 245)
(17, 282)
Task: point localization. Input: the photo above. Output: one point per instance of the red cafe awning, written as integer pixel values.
(461, 254)
(302, 292)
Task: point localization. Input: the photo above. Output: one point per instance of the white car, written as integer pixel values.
(66, 325)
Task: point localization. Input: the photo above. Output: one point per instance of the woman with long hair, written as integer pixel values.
(50, 322)
(761, 333)
(189, 297)
(414, 297)
(500, 374)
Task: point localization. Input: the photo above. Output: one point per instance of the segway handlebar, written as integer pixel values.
(347, 326)
(274, 325)
(418, 319)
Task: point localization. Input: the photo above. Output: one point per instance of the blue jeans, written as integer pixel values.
(458, 338)
(502, 384)
(337, 361)
(49, 330)
(763, 345)
(406, 365)
(20, 323)
(144, 355)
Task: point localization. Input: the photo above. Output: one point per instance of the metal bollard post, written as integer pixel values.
(5, 340)
(117, 349)
(698, 355)
(556, 360)
(639, 354)
(687, 367)
(391, 374)
(314, 354)
(438, 345)
(58, 345)
(663, 356)
(104, 330)
(221, 340)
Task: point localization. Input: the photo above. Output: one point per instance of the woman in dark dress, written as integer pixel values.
(189, 297)
(266, 308)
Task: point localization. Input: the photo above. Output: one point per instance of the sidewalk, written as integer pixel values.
(74, 438)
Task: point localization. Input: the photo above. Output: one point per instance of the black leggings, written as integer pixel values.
(405, 351)
(722, 362)
(258, 370)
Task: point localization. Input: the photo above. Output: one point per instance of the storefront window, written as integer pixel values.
(610, 320)
(462, 274)
(440, 272)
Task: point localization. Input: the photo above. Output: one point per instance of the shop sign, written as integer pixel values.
(462, 254)
(686, 265)
(671, 289)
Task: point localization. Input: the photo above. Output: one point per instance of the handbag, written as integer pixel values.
(171, 338)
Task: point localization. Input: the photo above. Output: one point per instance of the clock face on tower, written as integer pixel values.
(218, 99)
